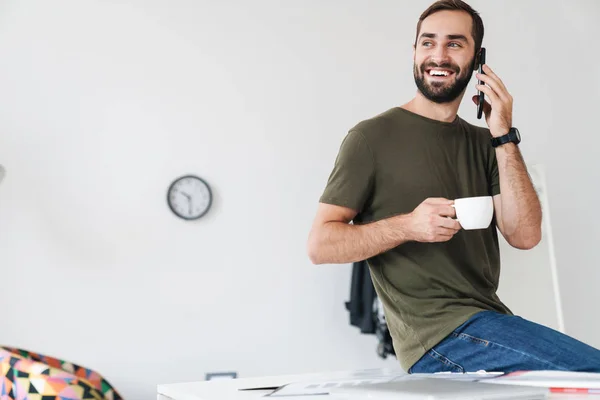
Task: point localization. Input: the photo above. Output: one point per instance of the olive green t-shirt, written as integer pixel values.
(387, 165)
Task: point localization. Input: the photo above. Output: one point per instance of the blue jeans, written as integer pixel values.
(492, 341)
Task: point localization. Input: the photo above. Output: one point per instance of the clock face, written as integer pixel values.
(189, 197)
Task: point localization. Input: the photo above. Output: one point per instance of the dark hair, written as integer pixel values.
(456, 5)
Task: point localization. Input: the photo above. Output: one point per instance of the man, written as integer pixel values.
(395, 178)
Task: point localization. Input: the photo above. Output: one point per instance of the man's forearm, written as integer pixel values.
(521, 210)
(339, 242)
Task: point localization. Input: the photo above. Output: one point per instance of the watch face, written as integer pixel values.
(517, 135)
(189, 197)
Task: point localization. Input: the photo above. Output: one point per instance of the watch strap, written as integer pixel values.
(499, 141)
(510, 137)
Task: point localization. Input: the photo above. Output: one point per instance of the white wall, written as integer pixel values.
(103, 103)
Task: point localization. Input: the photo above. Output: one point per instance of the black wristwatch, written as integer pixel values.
(513, 136)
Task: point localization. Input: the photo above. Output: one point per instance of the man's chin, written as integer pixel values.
(440, 97)
(439, 94)
(439, 91)
(439, 86)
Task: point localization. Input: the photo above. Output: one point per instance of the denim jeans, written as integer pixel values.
(492, 341)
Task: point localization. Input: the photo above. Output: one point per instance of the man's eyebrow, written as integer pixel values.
(458, 37)
(428, 35)
(450, 37)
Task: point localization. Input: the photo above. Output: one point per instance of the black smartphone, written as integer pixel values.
(480, 94)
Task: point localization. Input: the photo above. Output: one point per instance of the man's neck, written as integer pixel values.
(442, 112)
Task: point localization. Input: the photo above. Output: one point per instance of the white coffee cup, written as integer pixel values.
(474, 212)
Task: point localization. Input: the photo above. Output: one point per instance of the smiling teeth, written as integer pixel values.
(439, 73)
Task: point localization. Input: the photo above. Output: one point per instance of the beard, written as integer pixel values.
(442, 92)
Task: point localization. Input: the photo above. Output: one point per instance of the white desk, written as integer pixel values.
(229, 389)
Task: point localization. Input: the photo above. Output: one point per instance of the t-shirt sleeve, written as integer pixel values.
(351, 180)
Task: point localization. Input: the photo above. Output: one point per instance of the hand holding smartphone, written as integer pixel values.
(480, 94)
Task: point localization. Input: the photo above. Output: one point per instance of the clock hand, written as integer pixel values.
(189, 199)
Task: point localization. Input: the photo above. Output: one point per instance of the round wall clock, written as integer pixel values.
(189, 197)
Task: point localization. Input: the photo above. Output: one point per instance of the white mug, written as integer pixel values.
(474, 212)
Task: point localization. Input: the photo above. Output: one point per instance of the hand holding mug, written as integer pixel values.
(433, 221)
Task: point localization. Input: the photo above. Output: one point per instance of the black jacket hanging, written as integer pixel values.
(366, 312)
(362, 295)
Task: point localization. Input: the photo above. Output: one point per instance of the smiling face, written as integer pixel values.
(444, 55)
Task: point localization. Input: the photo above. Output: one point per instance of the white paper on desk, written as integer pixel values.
(563, 379)
(316, 388)
(458, 376)
(324, 387)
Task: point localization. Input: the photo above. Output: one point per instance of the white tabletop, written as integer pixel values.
(233, 389)
(221, 389)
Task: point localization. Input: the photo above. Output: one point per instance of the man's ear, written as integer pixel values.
(414, 51)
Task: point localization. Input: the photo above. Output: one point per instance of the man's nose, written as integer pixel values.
(440, 54)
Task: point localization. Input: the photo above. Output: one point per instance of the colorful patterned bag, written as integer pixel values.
(31, 376)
